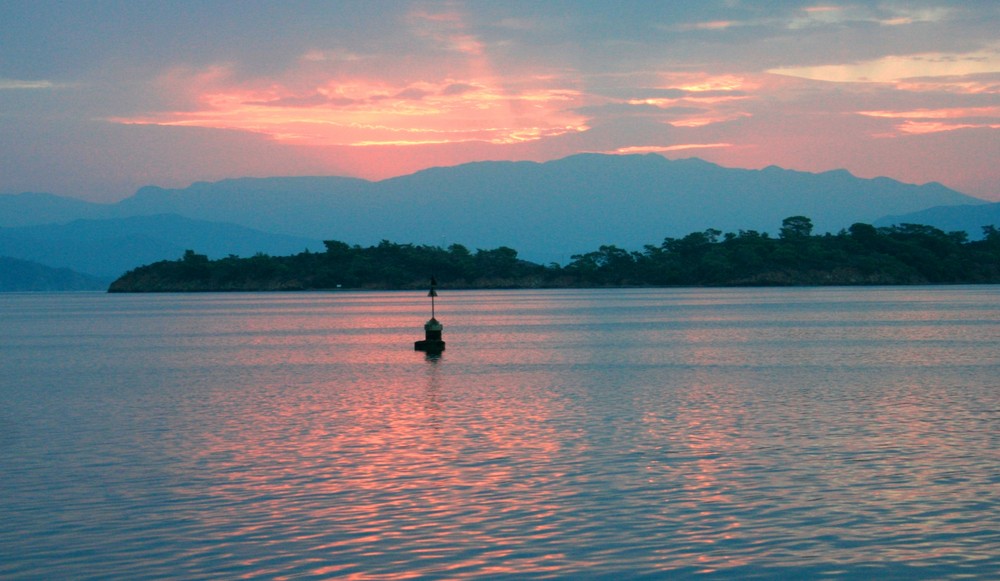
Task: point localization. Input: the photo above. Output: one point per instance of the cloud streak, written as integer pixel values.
(22, 85)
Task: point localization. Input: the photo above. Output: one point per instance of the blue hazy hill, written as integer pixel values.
(32, 208)
(24, 276)
(971, 219)
(109, 247)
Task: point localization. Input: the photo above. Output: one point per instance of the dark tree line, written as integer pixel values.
(385, 266)
(862, 254)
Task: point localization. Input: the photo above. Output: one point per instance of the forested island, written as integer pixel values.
(861, 255)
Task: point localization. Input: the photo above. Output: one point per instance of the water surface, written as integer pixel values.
(737, 433)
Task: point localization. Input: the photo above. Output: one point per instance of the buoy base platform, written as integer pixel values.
(432, 342)
(429, 346)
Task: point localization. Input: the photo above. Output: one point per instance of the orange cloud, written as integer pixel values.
(896, 68)
(710, 25)
(703, 82)
(700, 99)
(967, 85)
(934, 120)
(365, 112)
(667, 148)
(937, 113)
(918, 127)
(329, 97)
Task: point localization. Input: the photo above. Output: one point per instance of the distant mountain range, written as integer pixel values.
(25, 276)
(546, 211)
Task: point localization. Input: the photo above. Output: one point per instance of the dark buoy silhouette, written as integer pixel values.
(432, 342)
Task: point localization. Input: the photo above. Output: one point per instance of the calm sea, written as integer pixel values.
(737, 433)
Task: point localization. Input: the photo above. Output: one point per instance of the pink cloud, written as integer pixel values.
(363, 112)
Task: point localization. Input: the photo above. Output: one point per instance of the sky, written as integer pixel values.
(99, 98)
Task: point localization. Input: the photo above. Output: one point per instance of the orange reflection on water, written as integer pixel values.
(378, 471)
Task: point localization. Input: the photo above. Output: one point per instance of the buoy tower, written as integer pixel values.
(432, 342)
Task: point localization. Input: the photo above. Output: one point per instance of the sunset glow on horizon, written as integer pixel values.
(169, 96)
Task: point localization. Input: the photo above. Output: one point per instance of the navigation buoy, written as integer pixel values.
(432, 342)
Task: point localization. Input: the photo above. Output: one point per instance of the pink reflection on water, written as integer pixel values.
(712, 438)
(371, 458)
